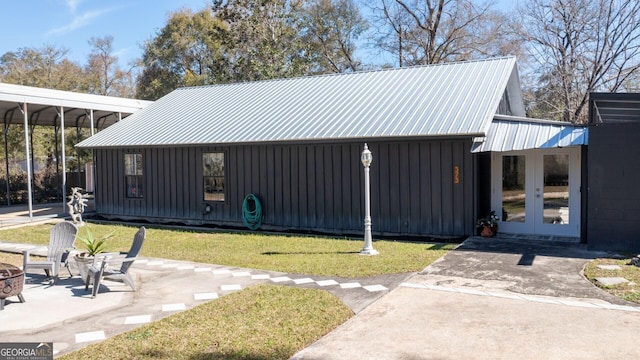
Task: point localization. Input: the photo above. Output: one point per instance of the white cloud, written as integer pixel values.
(78, 22)
(72, 5)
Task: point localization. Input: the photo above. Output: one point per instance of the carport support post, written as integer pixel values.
(28, 162)
(366, 159)
(64, 162)
(6, 158)
(91, 118)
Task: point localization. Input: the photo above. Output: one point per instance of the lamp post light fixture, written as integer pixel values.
(366, 159)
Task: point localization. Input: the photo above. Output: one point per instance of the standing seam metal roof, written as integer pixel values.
(436, 100)
(511, 133)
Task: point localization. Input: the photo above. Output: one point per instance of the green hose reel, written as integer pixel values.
(252, 212)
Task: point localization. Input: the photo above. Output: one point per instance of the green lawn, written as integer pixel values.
(291, 254)
(260, 322)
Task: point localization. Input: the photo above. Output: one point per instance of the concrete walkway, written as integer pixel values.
(66, 315)
(492, 299)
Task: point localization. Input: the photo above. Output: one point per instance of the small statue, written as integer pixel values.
(77, 204)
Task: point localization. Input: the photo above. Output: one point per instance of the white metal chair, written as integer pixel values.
(105, 265)
(61, 240)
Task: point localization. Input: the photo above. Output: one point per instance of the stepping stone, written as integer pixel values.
(205, 296)
(90, 336)
(221, 271)
(280, 279)
(230, 287)
(372, 288)
(139, 319)
(174, 307)
(609, 267)
(352, 285)
(241, 274)
(303, 281)
(202, 269)
(326, 282)
(611, 281)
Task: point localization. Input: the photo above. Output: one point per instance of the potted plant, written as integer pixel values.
(92, 247)
(488, 226)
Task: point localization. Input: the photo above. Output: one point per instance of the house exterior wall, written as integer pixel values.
(613, 198)
(418, 187)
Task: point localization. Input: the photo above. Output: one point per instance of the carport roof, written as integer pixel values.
(43, 106)
(453, 99)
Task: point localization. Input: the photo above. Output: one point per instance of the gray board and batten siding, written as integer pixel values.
(316, 187)
(613, 196)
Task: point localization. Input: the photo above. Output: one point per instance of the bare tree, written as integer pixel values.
(392, 30)
(435, 31)
(580, 46)
(103, 72)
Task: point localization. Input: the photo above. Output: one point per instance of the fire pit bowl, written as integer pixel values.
(11, 282)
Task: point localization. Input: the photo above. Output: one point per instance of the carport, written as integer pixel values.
(31, 106)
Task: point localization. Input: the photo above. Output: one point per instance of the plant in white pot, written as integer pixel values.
(92, 247)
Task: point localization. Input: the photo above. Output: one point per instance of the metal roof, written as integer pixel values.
(435, 100)
(43, 106)
(509, 133)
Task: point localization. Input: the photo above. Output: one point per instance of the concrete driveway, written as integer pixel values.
(492, 299)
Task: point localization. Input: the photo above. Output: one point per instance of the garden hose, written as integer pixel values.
(252, 212)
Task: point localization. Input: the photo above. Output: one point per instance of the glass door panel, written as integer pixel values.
(555, 194)
(513, 188)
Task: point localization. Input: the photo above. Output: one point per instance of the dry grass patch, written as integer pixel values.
(260, 322)
(629, 291)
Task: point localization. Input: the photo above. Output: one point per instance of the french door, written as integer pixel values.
(537, 191)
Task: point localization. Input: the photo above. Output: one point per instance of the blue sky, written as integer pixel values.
(71, 23)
